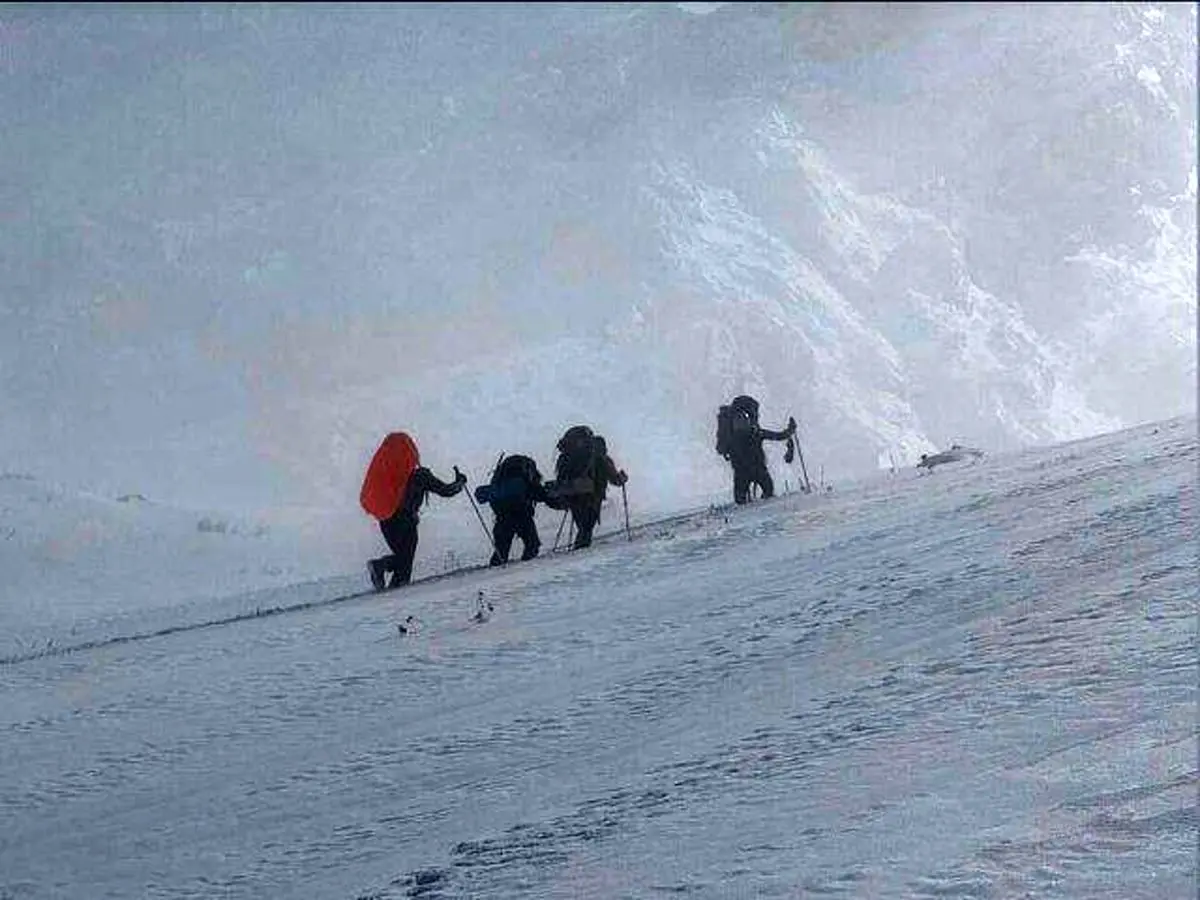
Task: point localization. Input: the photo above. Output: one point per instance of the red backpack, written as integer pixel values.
(387, 476)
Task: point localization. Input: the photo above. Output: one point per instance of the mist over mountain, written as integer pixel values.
(239, 244)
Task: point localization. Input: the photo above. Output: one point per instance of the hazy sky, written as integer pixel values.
(239, 243)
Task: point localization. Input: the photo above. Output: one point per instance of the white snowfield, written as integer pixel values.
(976, 685)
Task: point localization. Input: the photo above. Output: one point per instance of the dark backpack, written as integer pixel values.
(735, 424)
(512, 482)
(516, 466)
(575, 468)
(747, 405)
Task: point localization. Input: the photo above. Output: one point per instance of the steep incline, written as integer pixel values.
(977, 682)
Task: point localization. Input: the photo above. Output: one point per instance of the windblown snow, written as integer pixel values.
(239, 244)
(980, 682)
(272, 234)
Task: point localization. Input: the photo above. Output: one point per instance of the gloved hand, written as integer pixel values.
(622, 477)
(551, 496)
(459, 477)
(791, 426)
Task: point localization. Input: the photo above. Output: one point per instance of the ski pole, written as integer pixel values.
(803, 468)
(479, 516)
(625, 500)
(560, 529)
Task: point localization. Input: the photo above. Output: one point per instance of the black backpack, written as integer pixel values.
(513, 481)
(736, 423)
(516, 466)
(747, 405)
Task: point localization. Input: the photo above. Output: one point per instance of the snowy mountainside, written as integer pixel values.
(518, 401)
(75, 563)
(747, 258)
(881, 350)
(974, 683)
(909, 225)
(83, 569)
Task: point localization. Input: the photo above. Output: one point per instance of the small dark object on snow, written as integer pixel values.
(408, 626)
(956, 453)
(482, 608)
(425, 881)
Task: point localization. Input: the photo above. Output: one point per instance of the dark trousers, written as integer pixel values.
(400, 532)
(746, 474)
(586, 516)
(514, 524)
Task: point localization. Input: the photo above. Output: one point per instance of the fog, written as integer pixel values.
(237, 245)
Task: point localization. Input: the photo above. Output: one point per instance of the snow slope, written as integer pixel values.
(82, 569)
(243, 243)
(977, 683)
(81, 566)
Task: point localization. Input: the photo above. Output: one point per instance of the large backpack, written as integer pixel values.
(516, 466)
(747, 405)
(388, 474)
(511, 482)
(574, 470)
(736, 423)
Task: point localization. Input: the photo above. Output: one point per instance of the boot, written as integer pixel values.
(375, 568)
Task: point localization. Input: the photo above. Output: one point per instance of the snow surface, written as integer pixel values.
(82, 567)
(979, 683)
(241, 243)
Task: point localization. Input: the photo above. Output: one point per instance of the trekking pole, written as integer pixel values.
(803, 468)
(560, 528)
(625, 500)
(479, 516)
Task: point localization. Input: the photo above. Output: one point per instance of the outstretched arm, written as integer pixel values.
(537, 491)
(441, 488)
(782, 435)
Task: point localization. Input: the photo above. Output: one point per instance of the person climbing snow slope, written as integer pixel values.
(583, 472)
(740, 440)
(394, 489)
(513, 493)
